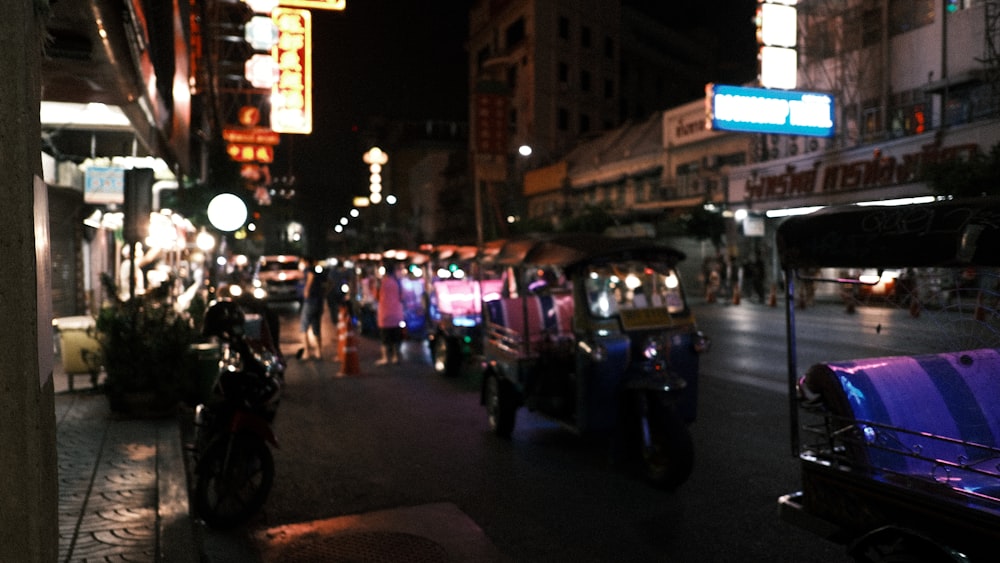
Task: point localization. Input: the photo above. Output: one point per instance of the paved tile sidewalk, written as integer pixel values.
(122, 486)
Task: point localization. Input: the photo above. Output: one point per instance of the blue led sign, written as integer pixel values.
(759, 110)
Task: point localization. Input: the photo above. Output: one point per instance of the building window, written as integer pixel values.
(820, 39)
(907, 15)
(515, 33)
(871, 123)
(862, 28)
(584, 123)
(871, 27)
(641, 191)
(563, 27)
(609, 88)
(512, 77)
(585, 37)
(482, 56)
(563, 72)
(609, 47)
(585, 81)
(562, 119)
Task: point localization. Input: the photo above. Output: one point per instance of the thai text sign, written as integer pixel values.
(291, 96)
(879, 171)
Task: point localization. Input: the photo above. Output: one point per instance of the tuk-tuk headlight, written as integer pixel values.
(656, 350)
(260, 293)
(653, 350)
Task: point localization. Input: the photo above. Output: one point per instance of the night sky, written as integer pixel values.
(407, 60)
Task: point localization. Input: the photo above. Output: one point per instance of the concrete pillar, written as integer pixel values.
(28, 466)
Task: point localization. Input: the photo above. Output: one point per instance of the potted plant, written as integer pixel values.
(145, 351)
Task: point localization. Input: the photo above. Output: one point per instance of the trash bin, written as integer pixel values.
(204, 361)
(79, 350)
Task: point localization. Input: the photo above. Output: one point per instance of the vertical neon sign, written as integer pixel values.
(291, 96)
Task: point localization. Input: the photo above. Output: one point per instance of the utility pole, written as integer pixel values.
(29, 491)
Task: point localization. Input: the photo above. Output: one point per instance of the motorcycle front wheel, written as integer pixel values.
(234, 477)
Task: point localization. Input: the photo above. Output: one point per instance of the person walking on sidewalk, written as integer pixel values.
(313, 299)
(390, 315)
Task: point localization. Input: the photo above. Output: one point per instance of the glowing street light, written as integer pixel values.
(227, 212)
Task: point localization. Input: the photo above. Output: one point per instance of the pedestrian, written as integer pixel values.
(390, 315)
(314, 290)
(757, 276)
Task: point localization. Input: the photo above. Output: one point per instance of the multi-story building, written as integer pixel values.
(552, 74)
(914, 82)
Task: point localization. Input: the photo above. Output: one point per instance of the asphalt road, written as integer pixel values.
(402, 436)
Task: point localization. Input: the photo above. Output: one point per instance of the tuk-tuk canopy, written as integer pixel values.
(566, 250)
(939, 234)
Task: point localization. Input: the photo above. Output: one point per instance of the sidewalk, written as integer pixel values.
(122, 485)
(123, 495)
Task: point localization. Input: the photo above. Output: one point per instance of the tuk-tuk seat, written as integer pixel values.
(548, 317)
(927, 415)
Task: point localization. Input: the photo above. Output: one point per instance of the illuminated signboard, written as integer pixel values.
(291, 96)
(777, 29)
(240, 152)
(315, 4)
(104, 185)
(759, 110)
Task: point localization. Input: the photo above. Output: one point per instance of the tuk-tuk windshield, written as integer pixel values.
(619, 286)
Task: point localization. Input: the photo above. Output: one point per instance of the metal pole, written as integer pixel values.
(793, 404)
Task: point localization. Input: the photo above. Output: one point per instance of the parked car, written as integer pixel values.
(280, 276)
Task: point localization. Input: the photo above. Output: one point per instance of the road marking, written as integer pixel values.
(758, 382)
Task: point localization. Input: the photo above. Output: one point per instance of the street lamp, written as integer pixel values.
(227, 212)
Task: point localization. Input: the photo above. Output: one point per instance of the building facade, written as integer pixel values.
(915, 82)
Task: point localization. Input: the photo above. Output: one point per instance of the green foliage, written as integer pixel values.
(703, 224)
(590, 220)
(979, 176)
(144, 346)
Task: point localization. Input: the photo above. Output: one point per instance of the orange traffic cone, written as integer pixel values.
(341, 334)
(772, 299)
(736, 295)
(351, 365)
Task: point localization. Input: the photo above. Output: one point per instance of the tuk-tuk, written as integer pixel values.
(455, 292)
(595, 333)
(456, 318)
(899, 451)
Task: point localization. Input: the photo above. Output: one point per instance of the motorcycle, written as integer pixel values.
(234, 467)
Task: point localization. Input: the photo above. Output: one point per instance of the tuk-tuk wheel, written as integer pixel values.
(501, 407)
(666, 445)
